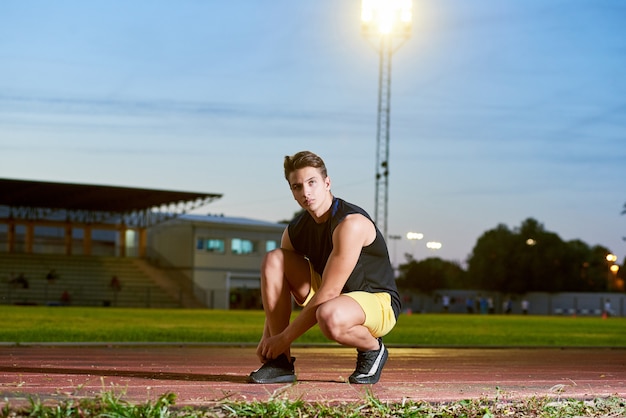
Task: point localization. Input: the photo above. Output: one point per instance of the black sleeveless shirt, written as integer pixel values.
(373, 272)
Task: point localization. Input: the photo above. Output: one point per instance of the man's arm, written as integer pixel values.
(285, 241)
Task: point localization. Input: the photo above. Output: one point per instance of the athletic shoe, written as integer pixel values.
(278, 370)
(369, 365)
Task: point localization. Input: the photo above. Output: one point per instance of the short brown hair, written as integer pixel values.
(304, 159)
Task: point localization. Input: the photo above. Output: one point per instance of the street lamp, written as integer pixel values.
(414, 236)
(613, 269)
(434, 245)
(395, 239)
(618, 283)
(383, 22)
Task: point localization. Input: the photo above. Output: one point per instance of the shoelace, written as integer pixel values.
(365, 357)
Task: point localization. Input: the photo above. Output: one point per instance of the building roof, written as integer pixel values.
(227, 220)
(83, 197)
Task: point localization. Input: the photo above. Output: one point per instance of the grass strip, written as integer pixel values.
(109, 404)
(40, 324)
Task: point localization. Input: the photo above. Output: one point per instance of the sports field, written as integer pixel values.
(23, 324)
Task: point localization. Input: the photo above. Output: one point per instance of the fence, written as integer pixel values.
(536, 303)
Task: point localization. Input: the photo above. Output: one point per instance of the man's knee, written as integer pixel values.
(330, 321)
(273, 260)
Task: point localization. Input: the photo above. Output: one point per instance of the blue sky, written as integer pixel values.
(500, 110)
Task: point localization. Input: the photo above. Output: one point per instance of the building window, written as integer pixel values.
(212, 245)
(242, 246)
(270, 245)
(215, 245)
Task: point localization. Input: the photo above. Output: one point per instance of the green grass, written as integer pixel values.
(109, 404)
(25, 324)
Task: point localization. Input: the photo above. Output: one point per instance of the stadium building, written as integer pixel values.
(66, 243)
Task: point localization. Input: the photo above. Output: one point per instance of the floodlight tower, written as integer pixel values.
(387, 24)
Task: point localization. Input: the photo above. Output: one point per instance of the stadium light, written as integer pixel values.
(387, 23)
(434, 245)
(387, 17)
(414, 235)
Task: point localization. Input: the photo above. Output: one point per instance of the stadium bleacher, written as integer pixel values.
(87, 280)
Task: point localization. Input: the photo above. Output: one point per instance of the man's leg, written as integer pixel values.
(342, 319)
(283, 273)
(360, 319)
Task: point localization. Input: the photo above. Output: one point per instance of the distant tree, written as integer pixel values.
(488, 265)
(529, 258)
(430, 274)
(540, 257)
(577, 263)
(621, 276)
(598, 269)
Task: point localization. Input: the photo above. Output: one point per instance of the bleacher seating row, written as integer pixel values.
(87, 280)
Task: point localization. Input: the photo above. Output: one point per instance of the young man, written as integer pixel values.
(335, 263)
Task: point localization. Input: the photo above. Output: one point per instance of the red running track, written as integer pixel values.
(205, 375)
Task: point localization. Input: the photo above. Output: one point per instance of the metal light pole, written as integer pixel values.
(395, 239)
(613, 268)
(414, 236)
(387, 23)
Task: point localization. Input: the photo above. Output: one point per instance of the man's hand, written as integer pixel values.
(271, 347)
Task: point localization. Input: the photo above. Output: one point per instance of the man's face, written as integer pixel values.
(310, 190)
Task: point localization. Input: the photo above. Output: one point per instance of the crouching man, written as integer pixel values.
(334, 261)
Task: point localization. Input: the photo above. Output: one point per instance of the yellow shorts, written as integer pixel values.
(379, 316)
